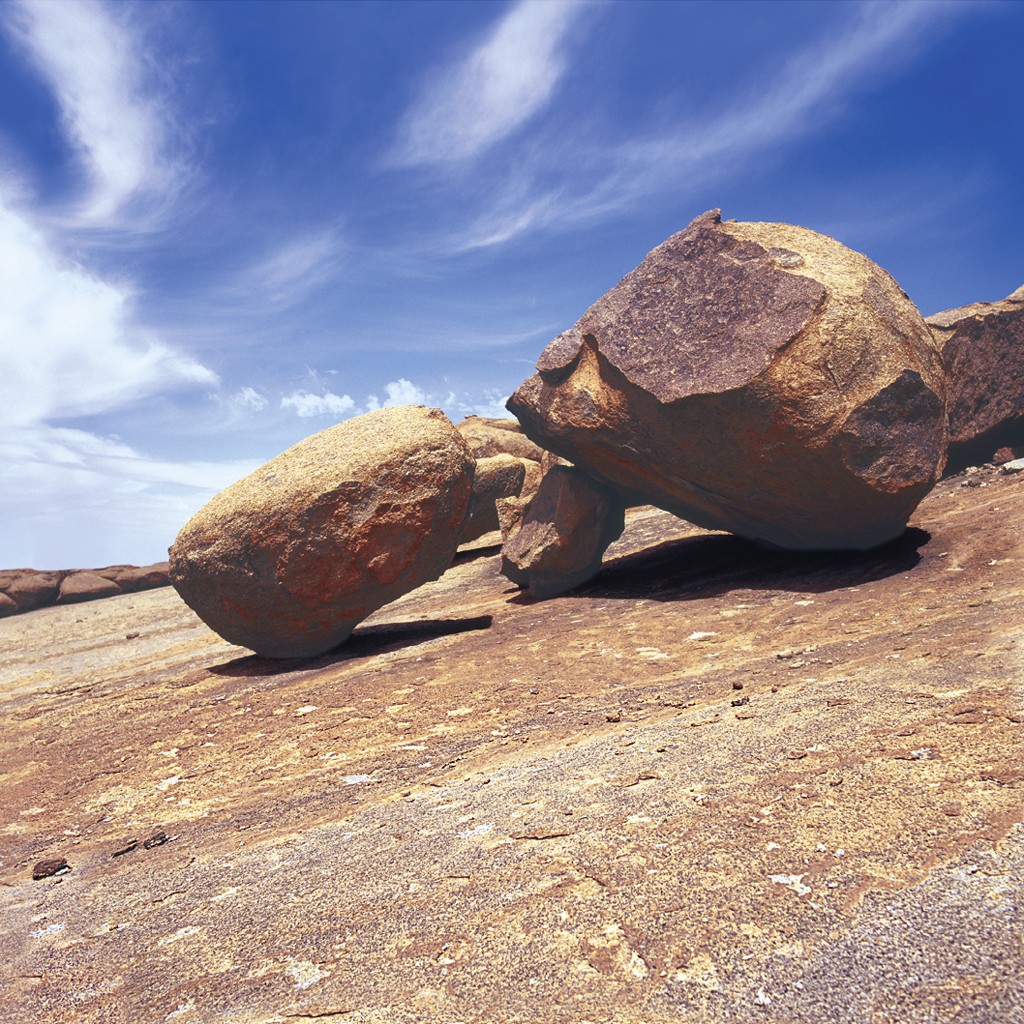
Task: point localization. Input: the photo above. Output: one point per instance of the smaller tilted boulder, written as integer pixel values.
(289, 559)
(508, 465)
(563, 532)
(982, 348)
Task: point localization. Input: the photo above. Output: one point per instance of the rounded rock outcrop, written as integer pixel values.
(289, 559)
(756, 378)
(982, 348)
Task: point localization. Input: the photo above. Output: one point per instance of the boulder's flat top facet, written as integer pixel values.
(722, 306)
(572, 813)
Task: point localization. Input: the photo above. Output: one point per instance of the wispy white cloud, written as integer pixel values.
(307, 404)
(69, 345)
(249, 398)
(490, 404)
(291, 273)
(808, 92)
(486, 96)
(93, 57)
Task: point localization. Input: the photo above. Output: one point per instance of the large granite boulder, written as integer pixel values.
(982, 348)
(757, 378)
(558, 542)
(289, 559)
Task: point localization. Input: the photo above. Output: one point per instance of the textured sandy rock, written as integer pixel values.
(982, 348)
(716, 785)
(564, 531)
(488, 437)
(756, 378)
(499, 476)
(8, 606)
(287, 560)
(85, 586)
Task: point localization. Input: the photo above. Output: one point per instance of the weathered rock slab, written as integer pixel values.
(289, 559)
(756, 378)
(714, 776)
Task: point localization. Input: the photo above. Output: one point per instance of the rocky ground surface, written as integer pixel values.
(715, 784)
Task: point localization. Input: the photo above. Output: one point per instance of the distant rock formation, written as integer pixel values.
(756, 378)
(488, 437)
(500, 476)
(22, 590)
(508, 465)
(982, 348)
(289, 559)
(85, 586)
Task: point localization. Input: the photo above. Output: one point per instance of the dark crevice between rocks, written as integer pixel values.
(979, 450)
(471, 554)
(702, 567)
(365, 642)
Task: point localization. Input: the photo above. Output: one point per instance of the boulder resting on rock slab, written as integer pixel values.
(756, 378)
(982, 347)
(289, 559)
(563, 533)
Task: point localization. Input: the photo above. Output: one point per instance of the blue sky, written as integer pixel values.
(225, 226)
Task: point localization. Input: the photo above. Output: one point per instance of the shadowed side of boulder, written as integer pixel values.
(289, 559)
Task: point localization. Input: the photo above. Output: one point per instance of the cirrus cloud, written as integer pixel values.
(507, 79)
